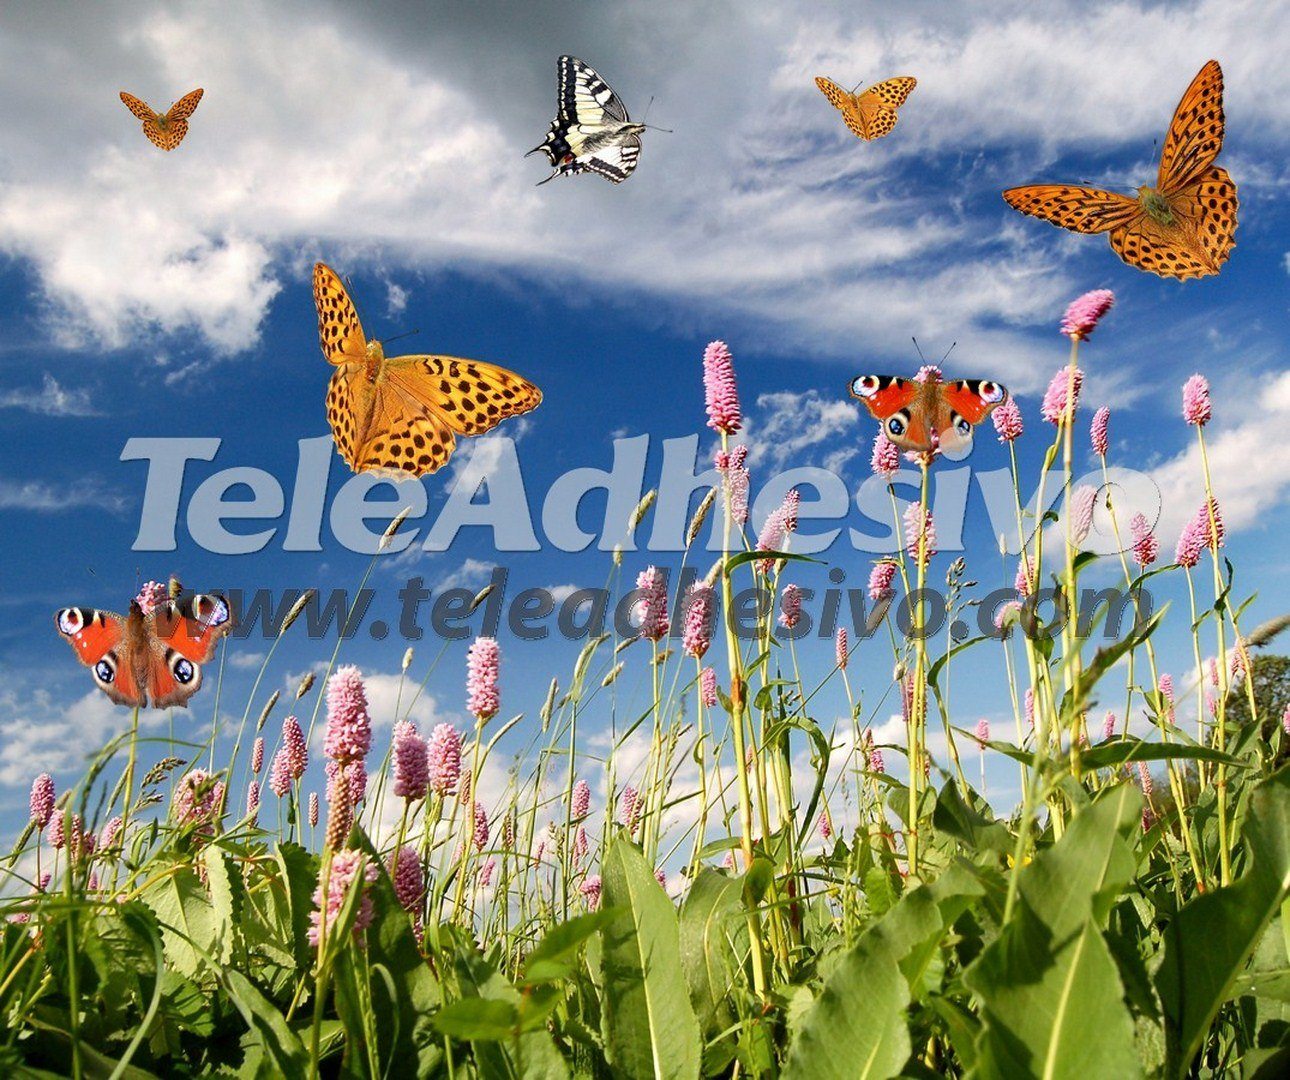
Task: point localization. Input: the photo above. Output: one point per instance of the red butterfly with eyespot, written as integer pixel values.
(153, 656)
(928, 415)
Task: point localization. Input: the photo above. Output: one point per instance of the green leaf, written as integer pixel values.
(1121, 751)
(749, 556)
(967, 822)
(1209, 941)
(190, 927)
(299, 876)
(273, 1035)
(711, 927)
(1051, 998)
(478, 1018)
(553, 958)
(649, 1025)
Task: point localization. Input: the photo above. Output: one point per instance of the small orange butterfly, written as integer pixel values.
(1181, 228)
(168, 129)
(400, 415)
(870, 115)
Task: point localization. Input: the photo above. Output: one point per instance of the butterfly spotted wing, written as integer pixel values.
(141, 658)
(401, 415)
(931, 415)
(592, 131)
(164, 130)
(871, 114)
(1184, 227)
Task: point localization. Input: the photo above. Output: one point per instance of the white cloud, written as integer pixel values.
(37, 496)
(785, 426)
(52, 399)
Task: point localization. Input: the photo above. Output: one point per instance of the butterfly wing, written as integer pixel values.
(1080, 209)
(876, 118)
(339, 331)
(838, 97)
(1209, 204)
(182, 636)
(893, 401)
(406, 437)
(1199, 239)
(580, 138)
(471, 396)
(98, 639)
(615, 161)
(962, 405)
(140, 110)
(893, 93)
(1196, 132)
(185, 106)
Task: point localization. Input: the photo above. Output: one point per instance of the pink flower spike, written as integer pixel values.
(1190, 544)
(1197, 408)
(1082, 502)
(1030, 708)
(790, 509)
(1285, 720)
(1146, 548)
(629, 809)
(920, 533)
(1209, 521)
(880, 579)
(1084, 313)
(771, 538)
(253, 800)
(257, 755)
(840, 651)
(348, 870)
(699, 619)
(483, 663)
(1054, 407)
(313, 809)
(112, 832)
(1024, 582)
(151, 595)
(1108, 726)
(407, 877)
(1144, 778)
(444, 758)
(790, 607)
(651, 583)
(349, 727)
(296, 753)
(708, 687)
(42, 800)
(719, 389)
(872, 755)
(590, 891)
(581, 800)
(411, 762)
(280, 773)
(825, 826)
(885, 460)
(1098, 431)
(197, 800)
(982, 732)
(480, 834)
(1007, 421)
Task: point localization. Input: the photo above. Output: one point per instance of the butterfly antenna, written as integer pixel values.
(647, 109)
(948, 351)
(396, 337)
(669, 131)
(917, 349)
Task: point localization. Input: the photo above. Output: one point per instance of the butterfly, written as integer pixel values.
(148, 657)
(591, 131)
(870, 115)
(168, 129)
(928, 415)
(1182, 227)
(401, 414)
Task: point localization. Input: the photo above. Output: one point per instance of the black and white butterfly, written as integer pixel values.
(591, 131)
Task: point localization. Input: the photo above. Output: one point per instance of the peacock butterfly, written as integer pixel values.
(928, 414)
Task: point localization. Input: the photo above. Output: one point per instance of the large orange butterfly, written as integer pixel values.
(870, 115)
(401, 414)
(167, 129)
(1182, 227)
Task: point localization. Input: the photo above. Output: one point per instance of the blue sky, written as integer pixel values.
(145, 294)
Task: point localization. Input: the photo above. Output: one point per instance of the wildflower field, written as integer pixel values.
(341, 898)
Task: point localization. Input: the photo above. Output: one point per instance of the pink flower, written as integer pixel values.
(982, 732)
(1004, 610)
(294, 749)
(771, 538)
(348, 870)
(411, 762)
(880, 579)
(708, 687)
(1197, 408)
(1285, 720)
(920, 533)
(483, 662)
(280, 773)
(1030, 707)
(1084, 313)
(257, 755)
(629, 809)
(581, 802)
(872, 755)
(790, 509)
(1108, 726)
(355, 774)
(590, 890)
(790, 607)
(1144, 778)
(1209, 521)
(480, 834)
(253, 799)
(407, 877)
(197, 800)
(1167, 687)
(728, 860)
(580, 845)
(1146, 548)
(42, 800)
(349, 727)
(508, 830)
(1054, 406)
(1024, 582)
(486, 873)
(697, 626)
(1211, 669)
(112, 832)
(719, 389)
(1098, 431)
(313, 809)
(151, 594)
(928, 373)
(651, 583)
(825, 826)
(1240, 662)
(444, 758)
(1007, 421)
(885, 460)
(1190, 544)
(841, 653)
(1082, 501)
(734, 478)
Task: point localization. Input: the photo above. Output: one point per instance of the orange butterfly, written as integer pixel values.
(870, 115)
(1182, 227)
(401, 414)
(166, 130)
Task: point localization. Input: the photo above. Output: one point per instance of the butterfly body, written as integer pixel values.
(151, 658)
(592, 131)
(929, 414)
(400, 415)
(1184, 226)
(166, 130)
(872, 114)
